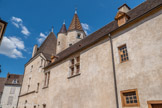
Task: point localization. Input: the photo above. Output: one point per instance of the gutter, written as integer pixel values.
(114, 72)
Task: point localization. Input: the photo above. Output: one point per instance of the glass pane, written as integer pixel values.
(135, 101)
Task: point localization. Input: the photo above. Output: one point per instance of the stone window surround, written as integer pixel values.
(74, 66)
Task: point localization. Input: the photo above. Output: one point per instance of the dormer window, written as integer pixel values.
(14, 81)
(79, 36)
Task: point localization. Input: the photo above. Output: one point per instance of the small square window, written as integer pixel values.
(70, 44)
(123, 53)
(130, 98)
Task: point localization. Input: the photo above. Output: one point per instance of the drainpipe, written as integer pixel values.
(114, 73)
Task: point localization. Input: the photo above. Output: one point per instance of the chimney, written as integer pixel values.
(124, 8)
(35, 48)
(122, 16)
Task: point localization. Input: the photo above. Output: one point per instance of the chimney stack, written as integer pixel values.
(35, 48)
(124, 8)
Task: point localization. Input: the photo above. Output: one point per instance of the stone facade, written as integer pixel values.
(7, 94)
(94, 86)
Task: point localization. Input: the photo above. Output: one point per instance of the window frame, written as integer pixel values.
(124, 101)
(46, 79)
(151, 102)
(74, 63)
(119, 52)
(10, 100)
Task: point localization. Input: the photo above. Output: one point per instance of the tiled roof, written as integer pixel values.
(75, 23)
(138, 11)
(2, 82)
(11, 77)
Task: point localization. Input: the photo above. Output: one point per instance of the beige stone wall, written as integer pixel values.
(143, 71)
(72, 37)
(37, 76)
(62, 39)
(94, 88)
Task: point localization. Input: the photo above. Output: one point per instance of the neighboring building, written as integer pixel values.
(3, 25)
(2, 82)
(118, 66)
(11, 91)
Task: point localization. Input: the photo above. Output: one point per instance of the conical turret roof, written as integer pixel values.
(75, 23)
(63, 29)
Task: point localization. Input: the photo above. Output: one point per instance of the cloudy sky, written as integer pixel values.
(30, 21)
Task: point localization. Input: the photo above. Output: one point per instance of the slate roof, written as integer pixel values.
(11, 77)
(137, 12)
(47, 48)
(75, 23)
(63, 29)
(2, 82)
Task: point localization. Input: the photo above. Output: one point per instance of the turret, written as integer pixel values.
(61, 39)
(75, 32)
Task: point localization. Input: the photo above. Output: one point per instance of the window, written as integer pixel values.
(70, 44)
(37, 87)
(46, 81)
(41, 64)
(14, 81)
(74, 66)
(58, 42)
(10, 99)
(31, 68)
(154, 104)
(123, 53)
(44, 105)
(130, 98)
(78, 36)
(12, 91)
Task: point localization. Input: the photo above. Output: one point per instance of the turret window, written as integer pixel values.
(79, 36)
(70, 44)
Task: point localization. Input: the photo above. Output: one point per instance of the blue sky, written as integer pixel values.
(30, 21)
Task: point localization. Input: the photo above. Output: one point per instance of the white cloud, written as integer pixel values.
(24, 30)
(12, 47)
(16, 19)
(18, 22)
(41, 38)
(86, 27)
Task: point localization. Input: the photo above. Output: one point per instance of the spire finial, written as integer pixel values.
(75, 10)
(64, 22)
(52, 29)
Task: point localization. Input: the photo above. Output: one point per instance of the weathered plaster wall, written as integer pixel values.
(6, 94)
(94, 88)
(143, 70)
(37, 76)
(62, 39)
(72, 37)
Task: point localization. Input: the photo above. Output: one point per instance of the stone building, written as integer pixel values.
(2, 82)
(11, 91)
(118, 66)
